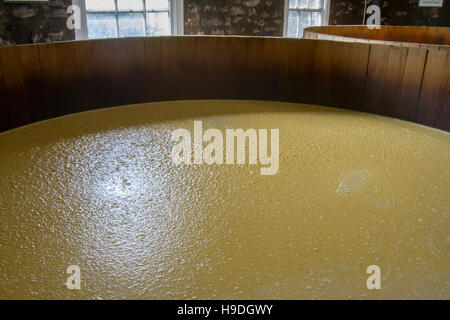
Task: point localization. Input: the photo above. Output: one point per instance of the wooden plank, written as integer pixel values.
(433, 102)
(187, 76)
(349, 74)
(170, 69)
(255, 70)
(358, 75)
(444, 118)
(270, 65)
(392, 81)
(119, 64)
(411, 83)
(373, 89)
(88, 81)
(322, 80)
(68, 78)
(398, 34)
(340, 73)
(22, 72)
(213, 61)
(287, 69)
(152, 84)
(238, 67)
(302, 86)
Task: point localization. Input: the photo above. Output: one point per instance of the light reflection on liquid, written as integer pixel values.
(99, 190)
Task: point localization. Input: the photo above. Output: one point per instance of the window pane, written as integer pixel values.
(305, 21)
(293, 24)
(101, 25)
(100, 5)
(131, 24)
(157, 5)
(316, 19)
(130, 5)
(293, 4)
(315, 4)
(158, 24)
(302, 4)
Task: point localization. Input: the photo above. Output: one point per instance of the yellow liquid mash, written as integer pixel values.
(99, 190)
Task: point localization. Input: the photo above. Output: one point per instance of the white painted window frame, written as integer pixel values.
(177, 18)
(325, 20)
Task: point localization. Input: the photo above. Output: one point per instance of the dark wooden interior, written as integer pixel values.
(47, 80)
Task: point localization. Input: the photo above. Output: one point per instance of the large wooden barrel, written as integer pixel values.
(47, 80)
(430, 37)
(348, 205)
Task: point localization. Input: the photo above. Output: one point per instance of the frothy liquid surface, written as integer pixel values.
(99, 190)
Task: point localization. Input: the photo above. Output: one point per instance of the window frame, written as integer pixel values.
(325, 10)
(176, 18)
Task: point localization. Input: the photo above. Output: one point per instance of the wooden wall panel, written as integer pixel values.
(88, 78)
(170, 69)
(321, 78)
(376, 68)
(183, 80)
(444, 118)
(348, 74)
(434, 36)
(392, 81)
(357, 65)
(238, 69)
(48, 80)
(60, 65)
(254, 69)
(303, 75)
(406, 104)
(22, 74)
(434, 96)
(153, 86)
(213, 60)
(119, 65)
(284, 87)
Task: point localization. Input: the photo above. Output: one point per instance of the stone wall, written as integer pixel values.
(234, 17)
(393, 12)
(32, 23)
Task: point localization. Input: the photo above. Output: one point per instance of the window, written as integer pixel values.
(300, 14)
(129, 18)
